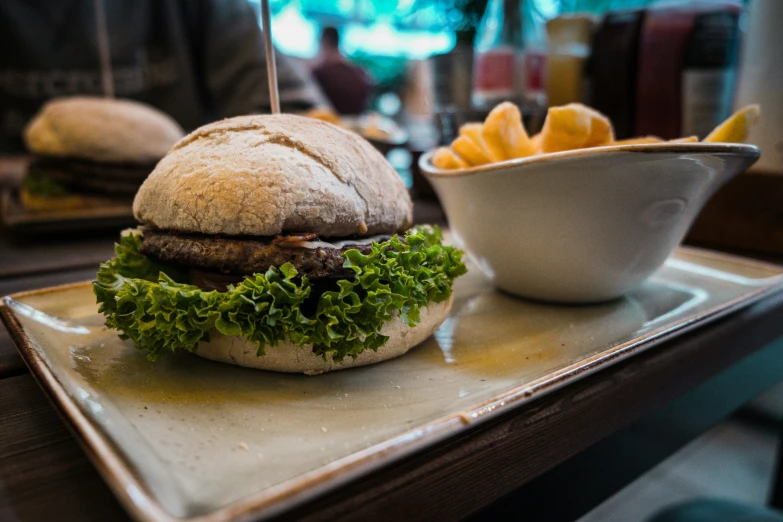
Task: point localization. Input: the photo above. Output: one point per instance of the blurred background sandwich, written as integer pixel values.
(86, 151)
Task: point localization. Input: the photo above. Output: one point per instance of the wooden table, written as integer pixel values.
(572, 439)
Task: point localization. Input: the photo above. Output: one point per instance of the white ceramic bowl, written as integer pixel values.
(585, 225)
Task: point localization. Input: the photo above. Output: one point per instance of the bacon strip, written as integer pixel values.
(294, 238)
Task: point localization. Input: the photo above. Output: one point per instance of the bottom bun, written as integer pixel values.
(288, 357)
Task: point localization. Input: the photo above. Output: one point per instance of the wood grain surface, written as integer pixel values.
(44, 474)
(10, 361)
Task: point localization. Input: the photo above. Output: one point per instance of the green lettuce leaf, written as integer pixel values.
(149, 304)
(42, 185)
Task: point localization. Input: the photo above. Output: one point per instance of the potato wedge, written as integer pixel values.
(445, 159)
(575, 126)
(638, 141)
(535, 142)
(471, 153)
(472, 131)
(504, 133)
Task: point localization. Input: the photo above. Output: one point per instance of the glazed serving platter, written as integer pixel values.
(15, 217)
(189, 439)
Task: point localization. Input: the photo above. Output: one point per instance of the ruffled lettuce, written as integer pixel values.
(150, 304)
(42, 185)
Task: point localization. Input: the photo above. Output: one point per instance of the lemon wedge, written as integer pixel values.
(736, 128)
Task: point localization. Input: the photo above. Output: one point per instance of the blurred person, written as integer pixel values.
(347, 85)
(197, 60)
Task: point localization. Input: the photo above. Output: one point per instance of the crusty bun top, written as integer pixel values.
(102, 129)
(272, 174)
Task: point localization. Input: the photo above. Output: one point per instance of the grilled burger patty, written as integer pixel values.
(245, 256)
(80, 175)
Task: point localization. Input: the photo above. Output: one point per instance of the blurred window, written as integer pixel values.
(395, 28)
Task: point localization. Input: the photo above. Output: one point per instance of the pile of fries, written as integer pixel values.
(372, 127)
(503, 136)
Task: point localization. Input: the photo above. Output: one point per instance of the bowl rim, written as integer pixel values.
(740, 149)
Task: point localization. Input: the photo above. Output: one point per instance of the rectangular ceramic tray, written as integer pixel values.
(186, 438)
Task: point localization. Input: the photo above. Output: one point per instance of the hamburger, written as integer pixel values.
(90, 151)
(277, 242)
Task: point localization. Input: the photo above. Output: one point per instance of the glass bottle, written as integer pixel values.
(498, 74)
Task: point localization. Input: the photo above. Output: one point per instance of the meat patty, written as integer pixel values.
(244, 256)
(79, 175)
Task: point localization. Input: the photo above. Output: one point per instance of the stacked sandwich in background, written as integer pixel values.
(92, 152)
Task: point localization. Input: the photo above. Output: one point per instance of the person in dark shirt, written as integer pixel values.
(197, 60)
(346, 85)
